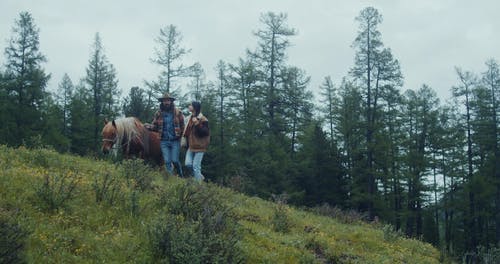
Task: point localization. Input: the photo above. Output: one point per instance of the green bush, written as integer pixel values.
(107, 188)
(56, 189)
(280, 220)
(12, 239)
(139, 175)
(134, 203)
(390, 234)
(198, 228)
(346, 217)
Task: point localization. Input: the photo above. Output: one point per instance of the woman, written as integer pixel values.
(197, 138)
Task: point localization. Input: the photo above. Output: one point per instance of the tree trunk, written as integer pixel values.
(472, 215)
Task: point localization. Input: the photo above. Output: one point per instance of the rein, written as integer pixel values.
(116, 146)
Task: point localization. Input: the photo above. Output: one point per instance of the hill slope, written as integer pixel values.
(80, 210)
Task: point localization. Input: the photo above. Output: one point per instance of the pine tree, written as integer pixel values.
(63, 99)
(467, 83)
(377, 72)
(329, 100)
(297, 104)
(81, 126)
(168, 55)
(136, 104)
(24, 82)
(491, 81)
(349, 130)
(270, 56)
(420, 115)
(102, 84)
(321, 174)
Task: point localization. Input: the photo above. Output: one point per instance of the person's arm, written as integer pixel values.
(202, 129)
(181, 121)
(156, 125)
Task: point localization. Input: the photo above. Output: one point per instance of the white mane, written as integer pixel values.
(126, 129)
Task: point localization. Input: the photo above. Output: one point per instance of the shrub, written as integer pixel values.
(107, 188)
(320, 254)
(134, 203)
(390, 234)
(197, 228)
(346, 217)
(12, 239)
(56, 190)
(138, 174)
(483, 255)
(280, 221)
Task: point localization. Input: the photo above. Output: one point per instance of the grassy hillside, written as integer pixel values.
(78, 210)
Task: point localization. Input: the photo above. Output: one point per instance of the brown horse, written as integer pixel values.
(129, 136)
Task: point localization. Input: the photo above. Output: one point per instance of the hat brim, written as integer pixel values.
(161, 99)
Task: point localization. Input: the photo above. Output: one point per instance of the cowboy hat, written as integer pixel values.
(166, 96)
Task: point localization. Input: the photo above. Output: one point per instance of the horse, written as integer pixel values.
(133, 139)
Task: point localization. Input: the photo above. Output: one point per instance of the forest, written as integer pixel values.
(401, 156)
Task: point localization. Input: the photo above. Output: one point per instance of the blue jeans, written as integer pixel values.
(193, 162)
(170, 151)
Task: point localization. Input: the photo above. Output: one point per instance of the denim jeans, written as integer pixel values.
(170, 151)
(193, 162)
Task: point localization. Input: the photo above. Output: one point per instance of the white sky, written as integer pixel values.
(428, 37)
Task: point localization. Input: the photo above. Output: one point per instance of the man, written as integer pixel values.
(169, 122)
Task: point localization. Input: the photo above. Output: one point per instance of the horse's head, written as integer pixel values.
(109, 136)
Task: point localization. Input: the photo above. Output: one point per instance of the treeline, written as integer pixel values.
(429, 168)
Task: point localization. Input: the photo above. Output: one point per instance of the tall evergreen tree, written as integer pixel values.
(102, 84)
(297, 101)
(54, 133)
(81, 126)
(349, 134)
(329, 100)
(491, 81)
(271, 54)
(377, 72)
(420, 115)
(168, 55)
(24, 82)
(135, 104)
(63, 99)
(321, 174)
(464, 90)
(197, 85)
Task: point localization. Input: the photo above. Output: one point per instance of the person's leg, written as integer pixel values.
(198, 157)
(189, 160)
(167, 155)
(176, 147)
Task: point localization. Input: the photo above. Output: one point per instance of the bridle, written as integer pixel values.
(109, 140)
(116, 146)
(113, 142)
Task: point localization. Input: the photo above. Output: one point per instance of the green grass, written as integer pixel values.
(82, 230)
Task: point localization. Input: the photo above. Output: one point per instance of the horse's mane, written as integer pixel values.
(128, 129)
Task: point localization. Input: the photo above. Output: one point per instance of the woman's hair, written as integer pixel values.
(197, 107)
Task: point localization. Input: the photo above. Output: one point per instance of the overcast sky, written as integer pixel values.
(428, 37)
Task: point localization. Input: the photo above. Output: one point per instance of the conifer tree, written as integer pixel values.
(24, 82)
(102, 84)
